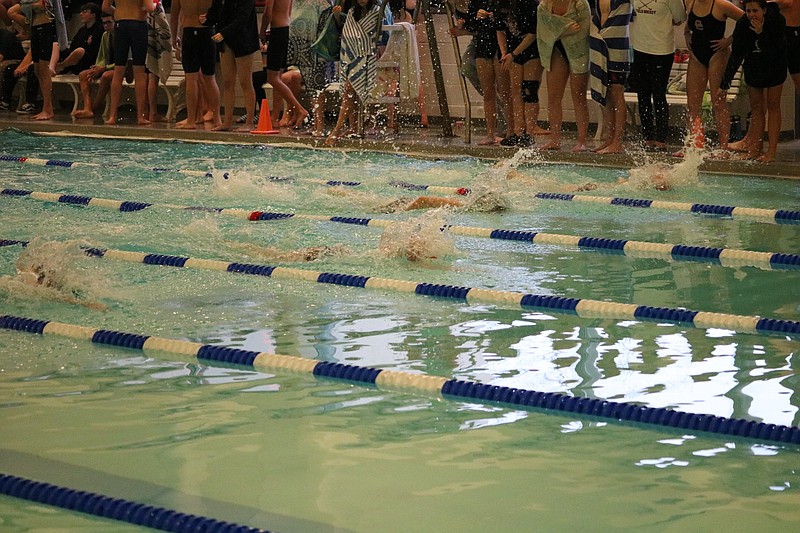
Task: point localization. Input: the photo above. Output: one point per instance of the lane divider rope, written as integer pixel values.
(580, 307)
(726, 257)
(114, 508)
(407, 381)
(779, 216)
(74, 164)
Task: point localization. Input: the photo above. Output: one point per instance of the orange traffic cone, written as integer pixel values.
(264, 120)
(698, 135)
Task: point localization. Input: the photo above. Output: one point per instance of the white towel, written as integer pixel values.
(402, 50)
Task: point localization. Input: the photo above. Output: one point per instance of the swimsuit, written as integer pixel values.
(130, 35)
(484, 29)
(42, 38)
(198, 53)
(704, 30)
(278, 49)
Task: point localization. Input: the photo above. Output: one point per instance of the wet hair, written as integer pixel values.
(761, 3)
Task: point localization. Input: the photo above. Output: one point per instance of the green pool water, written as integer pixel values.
(289, 452)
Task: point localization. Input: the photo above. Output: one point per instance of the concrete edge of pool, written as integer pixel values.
(425, 143)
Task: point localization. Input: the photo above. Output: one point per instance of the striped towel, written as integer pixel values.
(609, 46)
(358, 54)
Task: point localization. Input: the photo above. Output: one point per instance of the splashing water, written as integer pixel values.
(49, 271)
(418, 239)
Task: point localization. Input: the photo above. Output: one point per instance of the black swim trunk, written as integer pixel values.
(198, 51)
(42, 38)
(793, 48)
(278, 48)
(532, 52)
(130, 35)
(486, 46)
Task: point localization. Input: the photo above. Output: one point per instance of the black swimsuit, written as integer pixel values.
(704, 30)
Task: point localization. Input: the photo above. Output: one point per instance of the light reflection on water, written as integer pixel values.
(318, 450)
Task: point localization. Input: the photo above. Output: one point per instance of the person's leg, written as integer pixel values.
(758, 110)
(116, 93)
(722, 115)
(46, 88)
(515, 99)
(208, 100)
(556, 85)
(487, 80)
(85, 83)
(294, 80)
(8, 82)
(531, 81)
(152, 98)
(696, 82)
(192, 88)
(773, 106)
(643, 81)
(345, 108)
(662, 66)
(615, 111)
(578, 84)
(245, 75)
(103, 87)
(228, 64)
(140, 89)
(32, 85)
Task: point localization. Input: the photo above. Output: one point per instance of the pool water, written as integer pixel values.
(290, 452)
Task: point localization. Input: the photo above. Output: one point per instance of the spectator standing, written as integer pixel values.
(705, 36)
(198, 55)
(130, 36)
(519, 55)
(48, 38)
(277, 17)
(653, 42)
(759, 40)
(610, 65)
(237, 35)
(563, 40)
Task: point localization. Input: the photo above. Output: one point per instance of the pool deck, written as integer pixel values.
(426, 142)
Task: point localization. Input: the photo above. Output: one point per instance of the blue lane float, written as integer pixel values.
(75, 164)
(728, 257)
(115, 508)
(392, 379)
(779, 216)
(581, 307)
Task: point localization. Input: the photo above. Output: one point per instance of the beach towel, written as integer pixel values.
(402, 50)
(358, 55)
(610, 46)
(551, 28)
(159, 44)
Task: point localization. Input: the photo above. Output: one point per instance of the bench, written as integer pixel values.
(676, 92)
(173, 88)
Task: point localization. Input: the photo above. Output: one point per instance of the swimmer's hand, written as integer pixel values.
(217, 38)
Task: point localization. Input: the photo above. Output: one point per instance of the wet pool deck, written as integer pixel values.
(427, 142)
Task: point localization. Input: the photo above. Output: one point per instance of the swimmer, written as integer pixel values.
(484, 202)
(659, 181)
(301, 255)
(418, 240)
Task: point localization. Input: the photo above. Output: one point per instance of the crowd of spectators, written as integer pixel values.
(598, 48)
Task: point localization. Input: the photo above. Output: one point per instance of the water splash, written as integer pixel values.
(48, 270)
(418, 239)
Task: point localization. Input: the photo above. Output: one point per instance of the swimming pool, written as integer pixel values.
(290, 452)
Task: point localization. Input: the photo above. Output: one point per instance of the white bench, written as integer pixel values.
(173, 88)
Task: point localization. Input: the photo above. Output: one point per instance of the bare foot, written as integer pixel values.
(612, 148)
(111, 120)
(332, 140)
(143, 122)
(538, 130)
(552, 145)
(185, 125)
(489, 141)
(222, 127)
(244, 128)
(300, 118)
(578, 148)
(83, 113)
(738, 146)
(155, 117)
(43, 116)
(766, 158)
